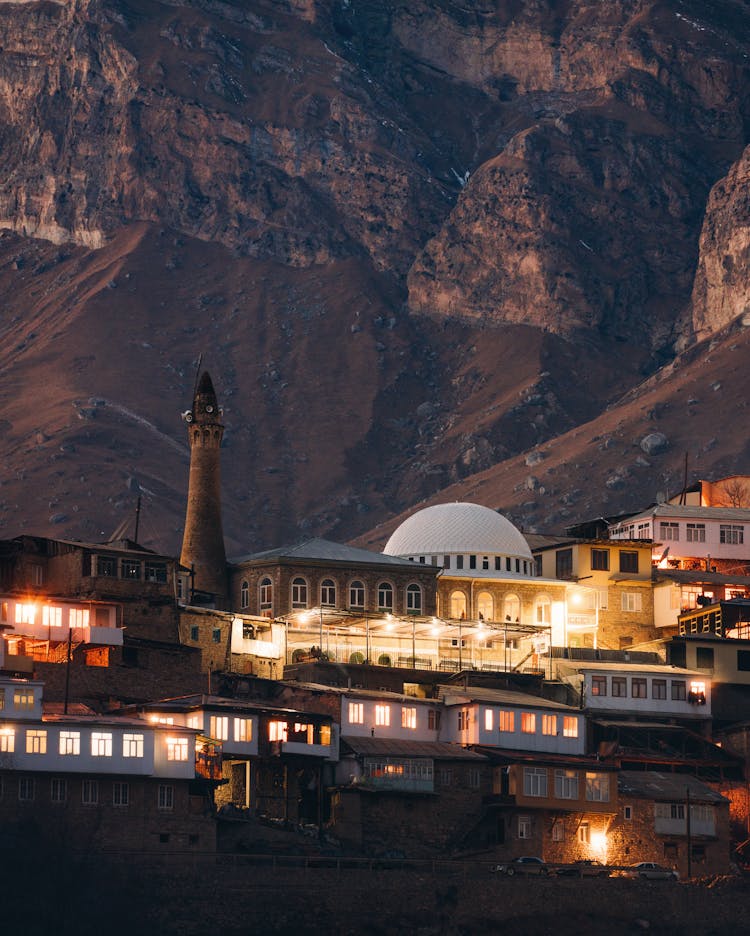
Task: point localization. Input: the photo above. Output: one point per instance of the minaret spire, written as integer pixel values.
(203, 539)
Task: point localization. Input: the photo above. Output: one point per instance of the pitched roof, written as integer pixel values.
(397, 747)
(324, 550)
(669, 787)
(455, 695)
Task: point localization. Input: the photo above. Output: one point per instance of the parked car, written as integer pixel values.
(524, 865)
(651, 872)
(586, 867)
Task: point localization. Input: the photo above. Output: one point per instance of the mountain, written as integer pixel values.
(426, 251)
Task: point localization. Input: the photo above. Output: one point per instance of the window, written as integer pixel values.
(36, 741)
(433, 719)
(627, 813)
(458, 606)
(78, 617)
(543, 610)
(570, 726)
(90, 792)
(7, 740)
(600, 560)
(357, 595)
(177, 749)
(165, 798)
(506, 721)
(732, 534)
(488, 719)
(463, 721)
(120, 793)
(101, 744)
(245, 594)
(132, 745)
(23, 699)
(106, 565)
(619, 687)
(446, 562)
(549, 724)
(51, 617)
(243, 729)
(385, 596)
(299, 593)
(131, 569)
(216, 635)
(382, 715)
(459, 562)
(630, 601)
(485, 606)
(194, 632)
(558, 831)
(58, 789)
(26, 789)
(704, 658)
(356, 713)
(156, 572)
(474, 778)
(413, 599)
(512, 608)
(669, 531)
(597, 787)
(743, 661)
(584, 833)
(696, 532)
(566, 784)
(528, 722)
(524, 827)
(563, 563)
(265, 595)
(446, 777)
(598, 685)
(658, 689)
(679, 692)
(408, 716)
(70, 742)
(219, 727)
(248, 631)
(278, 731)
(628, 560)
(534, 781)
(638, 688)
(328, 593)
(25, 613)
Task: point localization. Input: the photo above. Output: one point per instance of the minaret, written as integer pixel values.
(203, 540)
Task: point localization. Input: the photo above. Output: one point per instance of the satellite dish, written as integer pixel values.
(187, 416)
(209, 408)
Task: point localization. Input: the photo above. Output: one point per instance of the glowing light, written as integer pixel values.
(598, 844)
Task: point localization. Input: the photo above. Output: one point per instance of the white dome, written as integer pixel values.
(457, 529)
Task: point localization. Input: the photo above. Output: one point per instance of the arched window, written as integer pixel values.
(245, 594)
(328, 593)
(265, 596)
(356, 594)
(512, 609)
(299, 593)
(458, 606)
(543, 610)
(413, 599)
(385, 596)
(485, 607)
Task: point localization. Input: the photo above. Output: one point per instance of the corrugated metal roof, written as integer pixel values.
(669, 787)
(657, 669)
(453, 695)
(396, 747)
(689, 513)
(328, 551)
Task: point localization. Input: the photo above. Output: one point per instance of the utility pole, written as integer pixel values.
(689, 840)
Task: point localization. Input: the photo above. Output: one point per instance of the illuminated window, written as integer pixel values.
(488, 719)
(512, 608)
(70, 742)
(382, 715)
(101, 744)
(731, 533)
(385, 596)
(566, 784)
(277, 731)
(485, 607)
(619, 687)
(131, 569)
(132, 745)
(408, 716)
(524, 827)
(36, 741)
(630, 601)
(328, 593)
(26, 789)
(528, 722)
(25, 613)
(265, 594)
(219, 727)
(120, 793)
(534, 781)
(195, 721)
(51, 617)
(299, 593)
(23, 699)
(7, 740)
(58, 789)
(696, 532)
(356, 595)
(506, 721)
(598, 685)
(463, 721)
(177, 749)
(597, 787)
(413, 599)
(570, 726)
(584, 833)
(679, 692)
(78, 617)
(543, 610)
(549, 724)
(638, 688)
(243, 729)
(165, 799)
(245, 594)
(90, 792)
(356, 713)
(458, 606)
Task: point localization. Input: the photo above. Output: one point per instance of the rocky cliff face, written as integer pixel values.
(411, 240)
